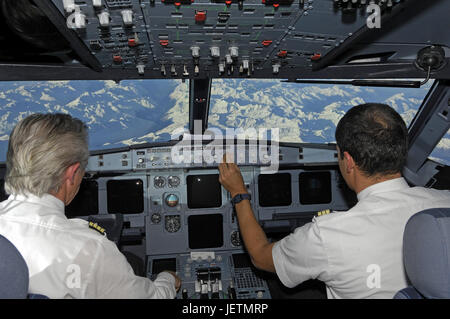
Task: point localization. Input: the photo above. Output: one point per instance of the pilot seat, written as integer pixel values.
(14, 277)
(426, 253)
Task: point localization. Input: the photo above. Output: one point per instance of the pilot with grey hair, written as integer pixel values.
(46, 159)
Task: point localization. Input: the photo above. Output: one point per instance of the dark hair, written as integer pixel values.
(375, 136)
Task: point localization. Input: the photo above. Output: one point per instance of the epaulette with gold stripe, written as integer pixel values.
(324, 212)
(98, 228)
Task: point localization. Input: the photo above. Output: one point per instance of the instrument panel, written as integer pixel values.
(186, 216)
(174, 200)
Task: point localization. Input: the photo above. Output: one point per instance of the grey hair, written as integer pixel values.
(41, 147)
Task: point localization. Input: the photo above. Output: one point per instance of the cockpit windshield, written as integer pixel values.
(117, 114)
(304, 113)
(140, 111)
(441, 152)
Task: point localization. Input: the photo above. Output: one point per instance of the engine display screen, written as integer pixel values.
(315, 188)
(125, 196)
(159, 265)
(204, 191)
(205, 231)
(274, 189)
(85, 203)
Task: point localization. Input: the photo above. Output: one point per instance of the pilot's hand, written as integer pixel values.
(231, 178)
(177, 280)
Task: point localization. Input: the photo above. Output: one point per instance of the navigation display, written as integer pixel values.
(274, 189)
(125, 196)
(315, 188)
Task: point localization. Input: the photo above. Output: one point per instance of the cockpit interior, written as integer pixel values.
(167, 87)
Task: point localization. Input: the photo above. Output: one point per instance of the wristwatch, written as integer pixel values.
(239, 198)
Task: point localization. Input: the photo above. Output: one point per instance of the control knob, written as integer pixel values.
(104, 19)
(127, 17)
(156, 218)
(97, 4)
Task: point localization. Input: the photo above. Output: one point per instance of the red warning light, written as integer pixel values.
(282, 53)
(117, 59)
(132, 42)
(200, 16)
(316, 57)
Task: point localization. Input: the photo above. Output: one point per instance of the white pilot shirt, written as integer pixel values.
(357, 253)
(67, 259)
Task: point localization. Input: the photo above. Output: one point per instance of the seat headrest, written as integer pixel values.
(426, 249)
(13, 272)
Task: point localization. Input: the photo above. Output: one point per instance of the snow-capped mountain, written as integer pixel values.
(130, 112)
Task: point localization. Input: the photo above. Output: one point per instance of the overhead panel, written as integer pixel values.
(125, 39)
(188, 38)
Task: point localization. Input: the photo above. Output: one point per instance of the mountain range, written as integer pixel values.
(139, 111)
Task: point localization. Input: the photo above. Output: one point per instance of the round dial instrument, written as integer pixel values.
(172, 223)
(173, 181)
(172, 200)
(159, 182)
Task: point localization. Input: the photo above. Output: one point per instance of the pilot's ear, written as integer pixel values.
(71, 172)
(349, 162)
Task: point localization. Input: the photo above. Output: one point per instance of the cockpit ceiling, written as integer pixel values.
(124, 39)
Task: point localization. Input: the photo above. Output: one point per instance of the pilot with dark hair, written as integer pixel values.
(356, 253)
(46, 159)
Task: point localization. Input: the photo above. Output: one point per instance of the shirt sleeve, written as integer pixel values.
(300, 256)
(111, 276)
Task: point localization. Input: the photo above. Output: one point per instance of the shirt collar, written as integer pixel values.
(387, 186)
(45, 200)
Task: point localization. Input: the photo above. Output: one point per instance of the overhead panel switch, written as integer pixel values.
(234, 52)
(69, 5)
(97, 4)
(215, 52)
(104, 19)
(195, 51)
(127, 17)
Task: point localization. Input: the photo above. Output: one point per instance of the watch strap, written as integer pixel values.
(239, 198)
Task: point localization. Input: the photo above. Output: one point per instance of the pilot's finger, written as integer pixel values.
(233, 167)
(223, 164)
(228, 158)
(221, 168)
